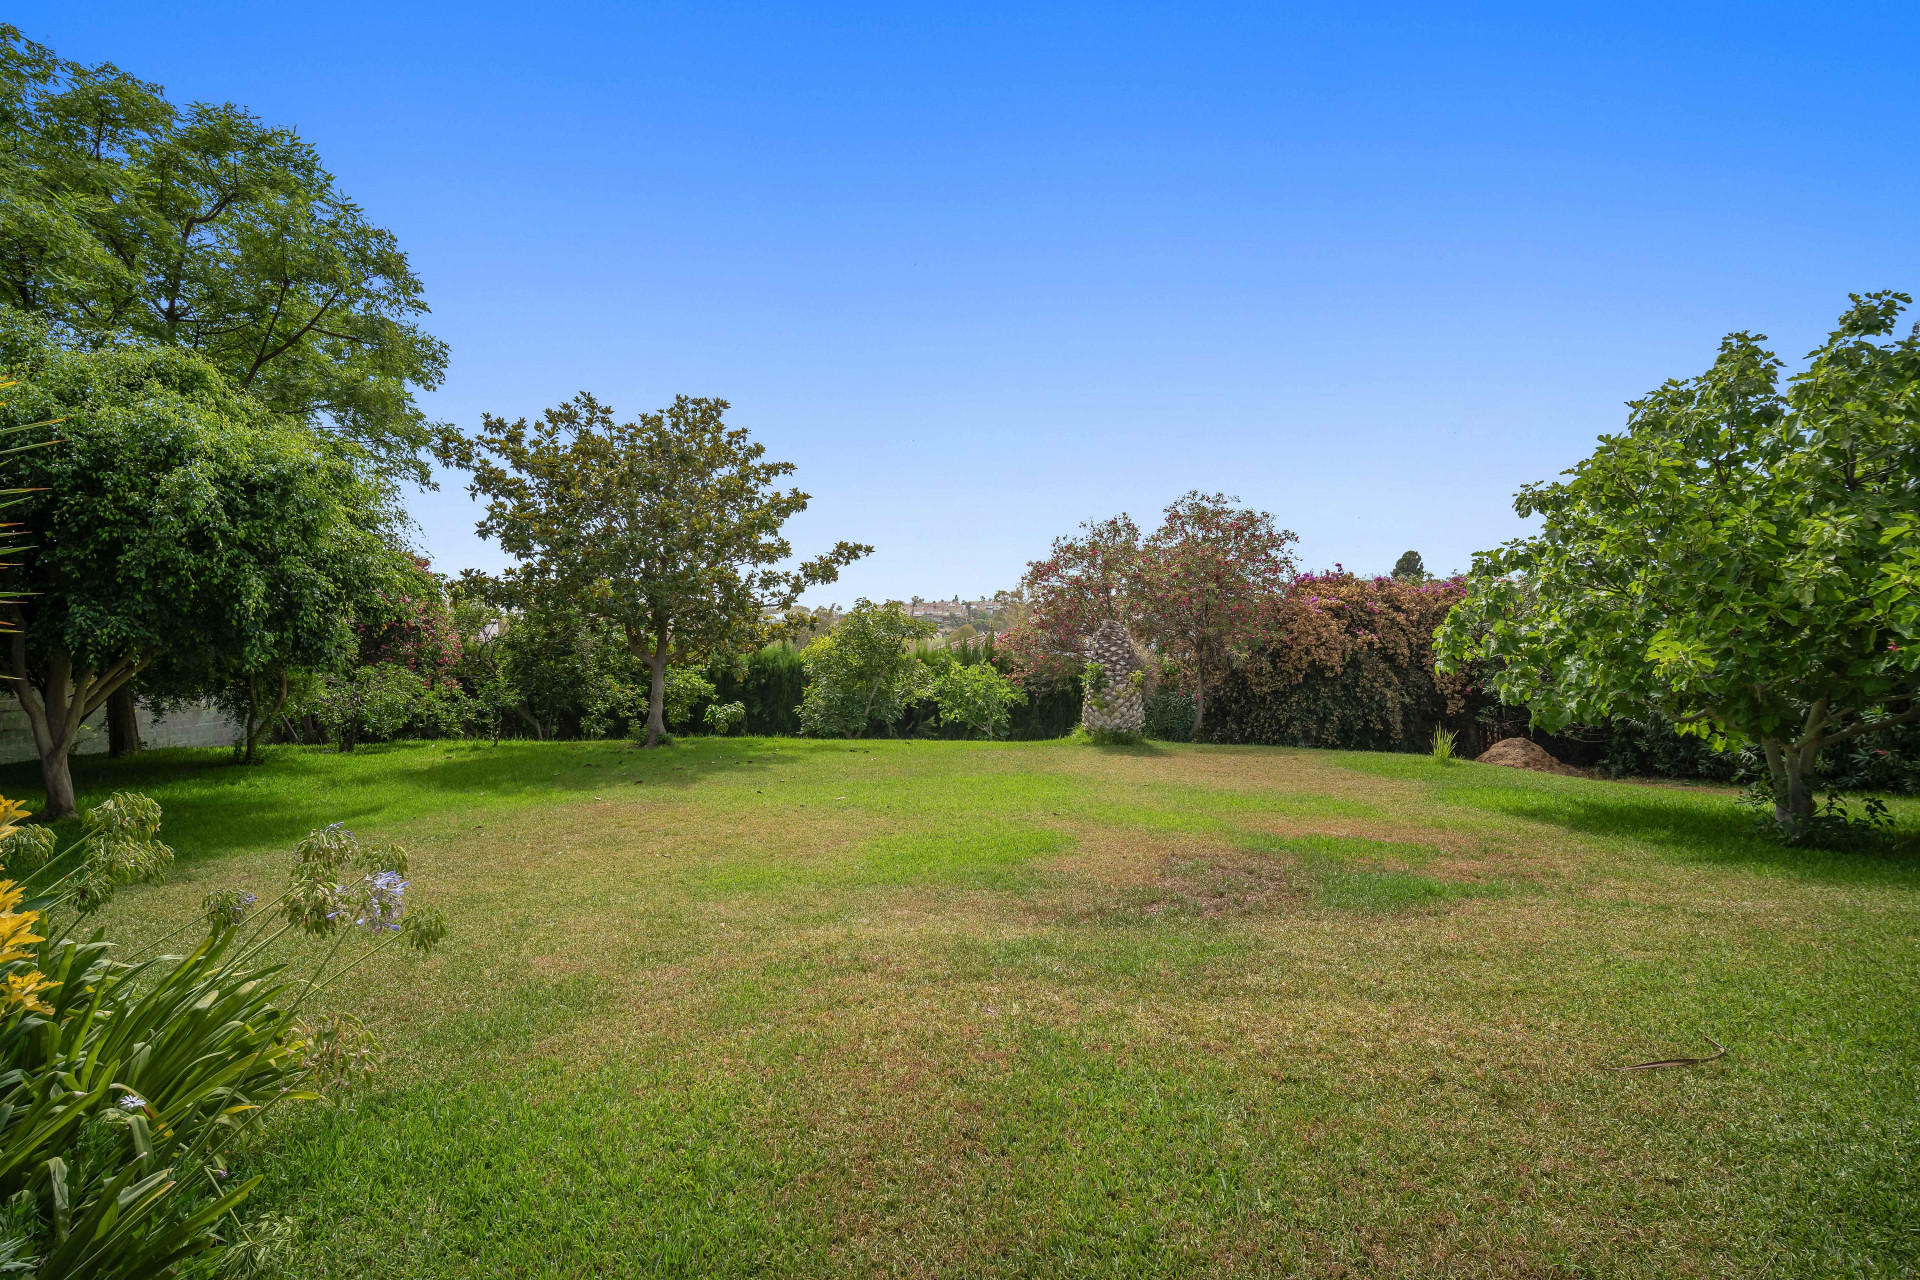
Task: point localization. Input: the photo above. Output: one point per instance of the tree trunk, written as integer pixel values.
(57, 707)
(123, 724)
(657, 693)
(256, 723)
(526, 713)
(1788, 767)
(1199, 700)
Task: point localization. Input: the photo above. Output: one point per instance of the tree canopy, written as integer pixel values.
(127, 218)
(178, 527)
(1199, 589)
(668, 526)
(1744, 559)
(864, 671)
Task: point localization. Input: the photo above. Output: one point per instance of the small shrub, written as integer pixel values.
(1170, 716)
(1443, 743)
(976, 696)
(1832, 826)
(724, 717)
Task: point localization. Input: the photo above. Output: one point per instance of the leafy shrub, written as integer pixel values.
(1351, 667)
(686, 689)
(1170, 716)
(1887, 761)
(863, 673)
(976, 697)
(725, 717)
(1653, 747)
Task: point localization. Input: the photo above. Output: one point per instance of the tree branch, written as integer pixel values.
(1868, 726)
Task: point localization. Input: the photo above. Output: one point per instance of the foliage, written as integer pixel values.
(374, 704)
(977, 697)
(1086, 581)
(667, 527)
(1196, 589)
(1886, 762)
(1742, 559)
(770, 685)
(1350, 667)
(1170, 716)
(573, 671)
(10, 531)
(1651, 746)
(724, 717)
(121, 1082)
(410, 623)
(1443, 744)
(1833, 824)
(130, 220)
(864, 672)
(181, 531)
(686, 689)
(1410, 567)
(1205, 580)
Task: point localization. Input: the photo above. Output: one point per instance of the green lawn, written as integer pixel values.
(794, 1008)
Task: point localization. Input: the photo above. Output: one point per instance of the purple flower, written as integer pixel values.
(384, 890)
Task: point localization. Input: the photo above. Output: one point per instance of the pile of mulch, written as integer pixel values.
(1525, 753)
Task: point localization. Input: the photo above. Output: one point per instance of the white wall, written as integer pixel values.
(191, 726)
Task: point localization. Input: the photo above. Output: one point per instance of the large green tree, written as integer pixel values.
(127, 218)
(179, 528)
(1742, 558)
(668, 526)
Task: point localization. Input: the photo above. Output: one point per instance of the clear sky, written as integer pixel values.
(984, 271)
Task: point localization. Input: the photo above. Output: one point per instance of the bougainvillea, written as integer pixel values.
(413, 627)
(1347, 662)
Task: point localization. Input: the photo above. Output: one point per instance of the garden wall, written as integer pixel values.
(195, 725)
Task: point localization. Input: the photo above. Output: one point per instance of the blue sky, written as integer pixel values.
(985, 272)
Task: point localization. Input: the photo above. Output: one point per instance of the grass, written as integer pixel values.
(779, 1007)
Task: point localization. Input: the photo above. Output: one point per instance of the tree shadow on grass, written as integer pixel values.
(214, 805)
(1702, 827)
(1692, 824)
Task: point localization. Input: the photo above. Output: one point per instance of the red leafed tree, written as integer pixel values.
(1085, 582)
(1202, 590)
(1205, 585)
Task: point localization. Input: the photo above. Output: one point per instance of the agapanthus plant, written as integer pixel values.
(122, 1082)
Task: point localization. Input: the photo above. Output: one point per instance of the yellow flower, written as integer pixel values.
(16, 944)
(12, 814)
(16, 927)
(23, 992)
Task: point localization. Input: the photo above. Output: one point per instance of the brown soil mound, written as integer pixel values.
(1524, 753)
